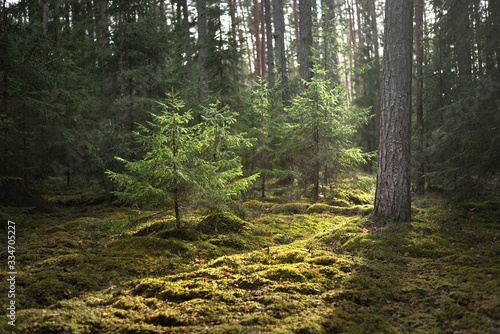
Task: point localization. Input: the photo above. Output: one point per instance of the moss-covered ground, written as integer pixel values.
(278, 268)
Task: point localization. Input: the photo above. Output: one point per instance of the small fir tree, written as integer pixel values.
(175, 168)
(324, 127)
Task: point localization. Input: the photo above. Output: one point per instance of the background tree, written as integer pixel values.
(419, 108)
(462, 142)
(324, 126)
(392, 196)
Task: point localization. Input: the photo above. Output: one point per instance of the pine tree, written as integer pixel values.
(392, 197)
(324, 126)
(175, 168)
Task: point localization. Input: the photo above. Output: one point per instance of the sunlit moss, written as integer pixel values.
(338, 272)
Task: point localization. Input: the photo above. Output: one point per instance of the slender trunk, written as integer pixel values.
(351, 41)
(306, 39)
(45, 18)
(331, 60)
(269, 39)
(242, 35)
(187, 34)
(103, 23)
(279, 42)
(256, 27)
(232, 14)
(263, 62)
(419, 41)
(317, 164)
(202, 49)
(359, 85)
(5, 61)
(121, 63)
(392, 196)
(296, 19)
(263, 184)
(176, 208)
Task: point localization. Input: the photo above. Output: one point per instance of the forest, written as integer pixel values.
(250, 166)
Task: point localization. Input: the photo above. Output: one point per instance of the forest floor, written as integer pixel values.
(281, 268)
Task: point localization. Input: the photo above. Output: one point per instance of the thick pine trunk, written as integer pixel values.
(392, 197)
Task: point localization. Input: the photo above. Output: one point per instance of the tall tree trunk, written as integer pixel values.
(296, 23)
(306, 39)
(263, 61)
(232, 14)
(244, 40)
(392, 196)
(331, 60)
(419, 46)
(351, 40)
(359, 85)
(5, 62)
(460, 16)
(201, 6)
(269, 39)
(103, 23)
(45, 18)
(257, 49)
(187, 34)
(317, 164)
(279, 43)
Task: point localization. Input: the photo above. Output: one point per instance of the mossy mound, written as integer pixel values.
(187, 234)
(290, 208)
(221, 223)
(340, 210)
(259, 206)
(346, 197)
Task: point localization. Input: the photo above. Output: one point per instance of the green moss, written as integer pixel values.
(257, 205)
(187, 234)
(165, 318)
(252, 282)
(284, 273)
(340, 210)
(154, 227)
(221, 223)
(292, 256)
(290, 208)
(320, 208)
(231, 241)
(337, 272)
(48, 291)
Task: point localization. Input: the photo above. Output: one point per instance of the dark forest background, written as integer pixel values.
(301, 78)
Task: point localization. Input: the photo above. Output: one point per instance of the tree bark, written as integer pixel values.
(262, 40)
(460, 16)
(279, 44)
(306, 39)
(331, 60)
(187, 33)
(201, 6)
(392, 196)
(103, 23)
(258, 45)
(45, 18)
(269, 40)
(232, 14)
(419, 46)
